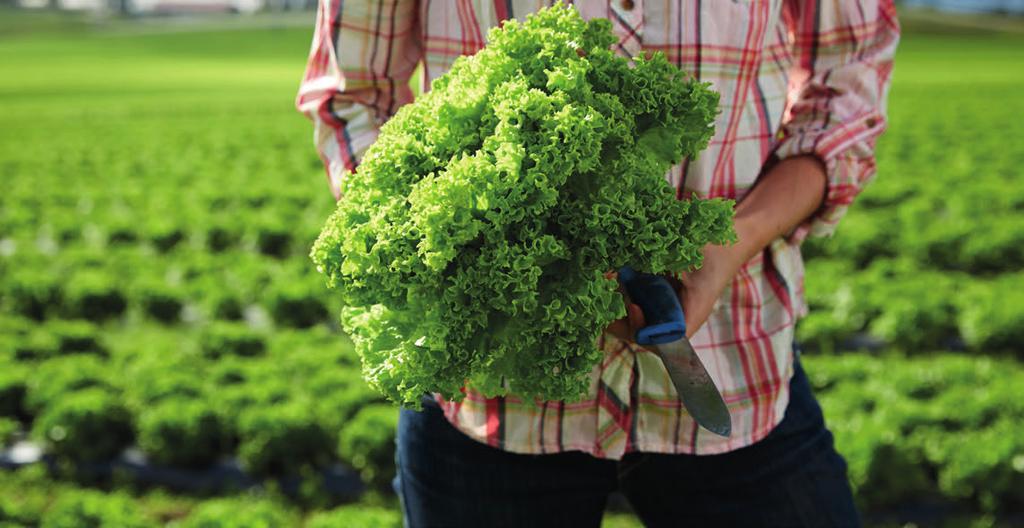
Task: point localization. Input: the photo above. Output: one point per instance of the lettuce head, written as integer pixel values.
(471, 246)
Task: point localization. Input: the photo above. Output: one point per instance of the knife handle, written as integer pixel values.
(660, 304)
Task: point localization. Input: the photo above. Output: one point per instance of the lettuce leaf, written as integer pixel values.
(470, 247)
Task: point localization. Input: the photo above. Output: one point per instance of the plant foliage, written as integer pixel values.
(472, 244)
(367, 442)
(89, 508)
(356, 516)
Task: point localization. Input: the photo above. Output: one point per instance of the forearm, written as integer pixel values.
(786, 195)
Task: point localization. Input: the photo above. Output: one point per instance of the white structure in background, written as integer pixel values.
(972, 6)
(155, 6)
(195, 6)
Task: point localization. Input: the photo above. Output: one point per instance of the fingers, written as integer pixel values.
(697, 305)
(635, 316)
(620, 329)
(625, 329)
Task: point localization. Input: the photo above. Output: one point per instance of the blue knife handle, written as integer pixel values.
(660, 304)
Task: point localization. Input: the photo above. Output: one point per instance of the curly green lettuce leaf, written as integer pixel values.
(470, 248)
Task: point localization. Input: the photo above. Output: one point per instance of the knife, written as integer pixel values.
(666, 333)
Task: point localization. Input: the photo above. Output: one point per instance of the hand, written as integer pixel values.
(626, 327)
(698, 292)
(784, 196)
(700, 289)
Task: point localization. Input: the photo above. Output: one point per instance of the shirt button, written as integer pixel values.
(628, 5)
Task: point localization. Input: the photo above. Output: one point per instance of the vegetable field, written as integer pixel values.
(160, 196)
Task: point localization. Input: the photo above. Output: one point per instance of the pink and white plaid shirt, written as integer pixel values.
(795, 77)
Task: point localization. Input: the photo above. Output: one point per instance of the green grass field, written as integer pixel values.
(160, 194)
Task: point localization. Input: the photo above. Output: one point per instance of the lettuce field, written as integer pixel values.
(159, 199)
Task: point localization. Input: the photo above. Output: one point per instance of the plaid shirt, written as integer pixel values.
(795, 77)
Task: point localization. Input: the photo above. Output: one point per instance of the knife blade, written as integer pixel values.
(695, 387)
(665, 332)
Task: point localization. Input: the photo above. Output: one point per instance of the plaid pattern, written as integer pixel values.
(796, 77)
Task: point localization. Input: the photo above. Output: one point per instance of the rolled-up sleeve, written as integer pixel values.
(357, 76)
(839, 83)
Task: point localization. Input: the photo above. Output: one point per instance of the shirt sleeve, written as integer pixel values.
(843, 58)
(357, 76)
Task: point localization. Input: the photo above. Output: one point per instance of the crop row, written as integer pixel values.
(944, 428)
(937, 223)
(277, 232)
(893, 300)
(929, 254)
(912, 309)
(280, 403)
(29, 499)
(112, 285)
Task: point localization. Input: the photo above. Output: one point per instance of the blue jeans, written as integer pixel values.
(793, 477)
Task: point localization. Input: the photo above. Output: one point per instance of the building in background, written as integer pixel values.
(971, 6)
(146, 7)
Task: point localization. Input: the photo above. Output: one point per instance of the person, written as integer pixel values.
(803, 87)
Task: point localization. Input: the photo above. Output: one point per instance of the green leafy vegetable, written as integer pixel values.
(472, 244)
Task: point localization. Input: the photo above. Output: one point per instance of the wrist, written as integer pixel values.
(723, 262)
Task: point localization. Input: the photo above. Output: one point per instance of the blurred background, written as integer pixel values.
(168, 354)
